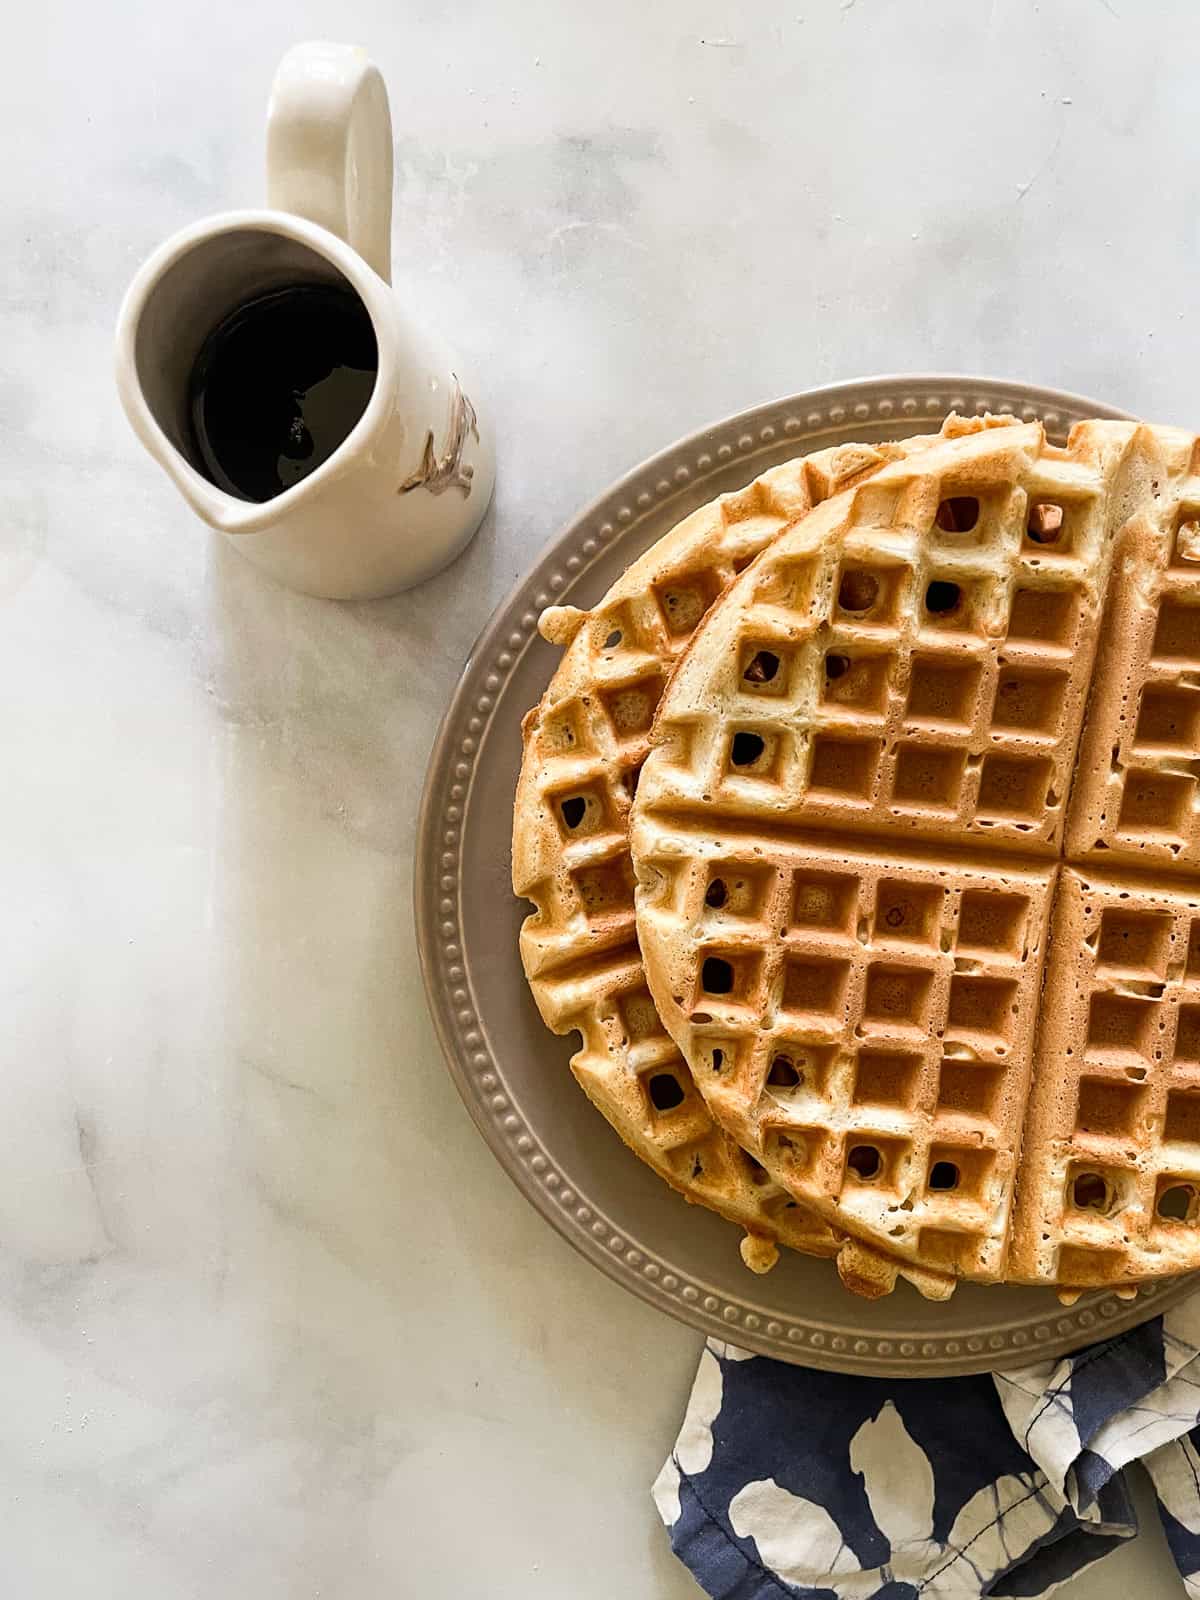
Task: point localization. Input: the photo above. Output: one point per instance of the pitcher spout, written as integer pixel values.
(180, 296)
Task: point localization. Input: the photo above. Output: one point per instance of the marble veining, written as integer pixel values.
(272, 1322)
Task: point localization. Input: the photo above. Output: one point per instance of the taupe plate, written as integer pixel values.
(513, 1074)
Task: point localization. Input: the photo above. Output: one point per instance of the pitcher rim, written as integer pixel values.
(226, 511)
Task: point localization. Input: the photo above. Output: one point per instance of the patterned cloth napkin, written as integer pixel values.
(787, 1482)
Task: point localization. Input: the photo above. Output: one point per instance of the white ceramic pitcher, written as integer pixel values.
(406, 489)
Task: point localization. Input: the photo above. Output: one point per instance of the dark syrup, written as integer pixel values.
(278, 385)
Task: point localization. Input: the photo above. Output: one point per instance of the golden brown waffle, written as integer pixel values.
(1136, 797)
(584, 746)
(885, 669)
(900, 681)
(875, 1011)
(1110, 1170)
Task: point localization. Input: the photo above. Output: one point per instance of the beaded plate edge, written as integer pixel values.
(810, 420)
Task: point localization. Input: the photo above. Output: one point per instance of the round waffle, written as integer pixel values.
(895, 793)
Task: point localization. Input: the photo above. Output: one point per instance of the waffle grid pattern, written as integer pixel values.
(655, 1107)
(584, 746)
(1115, 1111)
(972, 724)
(885, 1036)
(922, 667)
(588, 738)
(1139, 797)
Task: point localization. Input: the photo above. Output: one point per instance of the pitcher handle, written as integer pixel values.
(329, 147)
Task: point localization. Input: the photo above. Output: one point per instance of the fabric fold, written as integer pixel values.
(789, 1482)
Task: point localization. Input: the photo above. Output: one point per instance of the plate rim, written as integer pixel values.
(913, 401)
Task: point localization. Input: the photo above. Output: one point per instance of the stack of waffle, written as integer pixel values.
(862, 825)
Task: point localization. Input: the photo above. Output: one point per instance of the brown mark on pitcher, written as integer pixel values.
(448, 471)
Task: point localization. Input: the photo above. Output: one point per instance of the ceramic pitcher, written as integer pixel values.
(406, 489)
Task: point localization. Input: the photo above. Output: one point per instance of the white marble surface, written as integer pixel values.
(272, 1323)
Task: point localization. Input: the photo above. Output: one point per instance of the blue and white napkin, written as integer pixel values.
(786, 1481)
